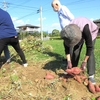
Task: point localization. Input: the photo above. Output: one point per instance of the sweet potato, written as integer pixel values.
(77, 78)
(91, 87)
(73, 71)
(49, 76)
(98, 98)
(83, 77)
(97, 88)
(69, 71)
(86, 82)
(76, 70)
(63, 79)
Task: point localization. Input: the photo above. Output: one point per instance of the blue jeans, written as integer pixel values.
(6, 52)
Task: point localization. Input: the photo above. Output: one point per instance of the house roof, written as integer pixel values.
(97, 21)
(28, 25)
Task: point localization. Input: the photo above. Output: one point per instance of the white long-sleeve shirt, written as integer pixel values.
(65, 16)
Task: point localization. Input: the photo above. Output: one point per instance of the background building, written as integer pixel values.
(98, 24)
(28, 28)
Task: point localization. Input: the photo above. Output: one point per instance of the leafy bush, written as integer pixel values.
(30, 43)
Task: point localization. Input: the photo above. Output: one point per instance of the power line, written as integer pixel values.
(5, 5)
(25, 16)
(87, 7)
(43, 10)
(15, 5)
(74, 2)
(29, 8)
(25, 2)
(11, 4)
(78, 2)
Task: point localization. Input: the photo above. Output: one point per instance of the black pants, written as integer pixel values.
(91, 61)
(13, 41)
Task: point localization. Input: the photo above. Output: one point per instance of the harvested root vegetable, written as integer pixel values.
(77, 78)
(91, 87)
(69, 71)
(49, 76)
(86, 82)
(63, 79)
(74, 71)
(97, 88)
(83, 77)
(98, 98)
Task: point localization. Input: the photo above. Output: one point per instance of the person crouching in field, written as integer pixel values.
(80, 30)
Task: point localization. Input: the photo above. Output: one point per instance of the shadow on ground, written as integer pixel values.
(13, 58)
(59, 62)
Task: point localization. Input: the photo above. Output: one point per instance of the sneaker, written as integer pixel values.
(92, 80)
(8, 61)
(25, 65)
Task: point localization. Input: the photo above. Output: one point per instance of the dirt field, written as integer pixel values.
(19, 83)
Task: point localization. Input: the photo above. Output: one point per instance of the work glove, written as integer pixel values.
(83, 65)
(69, 65)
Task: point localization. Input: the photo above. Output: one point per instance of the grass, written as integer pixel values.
(58, 53)
(58, 49)
(54, 57)
(57, 46)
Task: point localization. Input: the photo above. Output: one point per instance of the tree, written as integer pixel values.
(55, 32)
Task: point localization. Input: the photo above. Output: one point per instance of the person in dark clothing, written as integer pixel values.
(7, 54)
(80, 30)
(8, 35)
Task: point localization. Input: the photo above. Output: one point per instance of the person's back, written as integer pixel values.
(82, 21)
(6, 25)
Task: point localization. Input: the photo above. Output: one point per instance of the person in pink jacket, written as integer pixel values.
(80, 30)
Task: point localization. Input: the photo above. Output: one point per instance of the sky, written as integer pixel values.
(26, 11)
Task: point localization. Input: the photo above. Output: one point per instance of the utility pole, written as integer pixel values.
(41, 23)
(5, 5)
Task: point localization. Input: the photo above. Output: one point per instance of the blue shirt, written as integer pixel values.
(65, 16)
(6, 25)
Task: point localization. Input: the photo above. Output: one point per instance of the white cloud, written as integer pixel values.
(57, 25)
(51, 27)
(44, 18)
(18, 22)
(91, 19)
